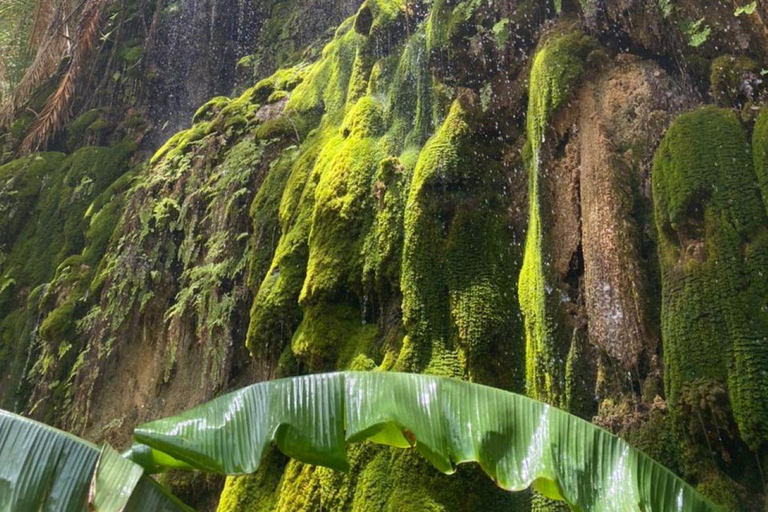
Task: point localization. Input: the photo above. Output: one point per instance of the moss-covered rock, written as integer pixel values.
(458, 269)
(712, 244)
(760, 153)
(556, 70)
(46, 225)
(731, 79)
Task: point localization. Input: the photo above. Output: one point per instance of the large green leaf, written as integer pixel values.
(517, 441)
(46, 470)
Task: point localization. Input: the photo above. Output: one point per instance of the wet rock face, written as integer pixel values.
(197, 46)
(193, 57)
(623, 114)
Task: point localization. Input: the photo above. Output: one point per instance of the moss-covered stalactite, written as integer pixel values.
(557, 67)
(760, 153)
(385, 213)
(713, 233)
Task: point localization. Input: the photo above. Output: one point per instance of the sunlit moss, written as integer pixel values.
(344, 170)
(458, 267)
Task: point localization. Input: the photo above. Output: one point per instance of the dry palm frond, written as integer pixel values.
(52, 47)
(58, 106)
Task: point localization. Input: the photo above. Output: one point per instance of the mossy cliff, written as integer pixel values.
(524, 194)
(712, 245)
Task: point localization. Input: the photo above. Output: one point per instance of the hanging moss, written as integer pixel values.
(327, 82)
(713, 233)
(211, 109)
(412, 111)
(383, 244)
(179, 143)
(557, 68)
(264, 217)
(458, 266)
(760, 153)
(425, 290)
(580, 377)
(344, 169)
(21, 182)
(255, 493)
(333, 337)
(46, 228)
(276, 312)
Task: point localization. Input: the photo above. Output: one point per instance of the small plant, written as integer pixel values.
(746, 9)
(696, 31)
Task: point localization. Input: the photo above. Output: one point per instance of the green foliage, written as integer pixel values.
(696, 31)
(517, 441)
(47, 469)
(745, 9)
(16, 25)
(713, 233)
(666, 7)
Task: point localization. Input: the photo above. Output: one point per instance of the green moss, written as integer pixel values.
(726, 76)
(557, 68)
(287, 127)
(383, 245)
(264, 217)
(19, 127)
(327, 82)
(211, 109)
(20, 186)
(713, 233)
(276, 312)
(760, 153)
(281, 82)
(257, 492)
(59, 326)
(180, 142)
(386, 479)
(580, 377)
(47, 229)
(458, 267)
(334, 336)
(424, 287)
(91, 128)
(344, 170)
(277, 96)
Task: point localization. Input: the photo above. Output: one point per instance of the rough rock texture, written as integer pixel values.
(623, 114)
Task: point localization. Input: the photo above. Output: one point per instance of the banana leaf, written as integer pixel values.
(517, 441)
(47, 470)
